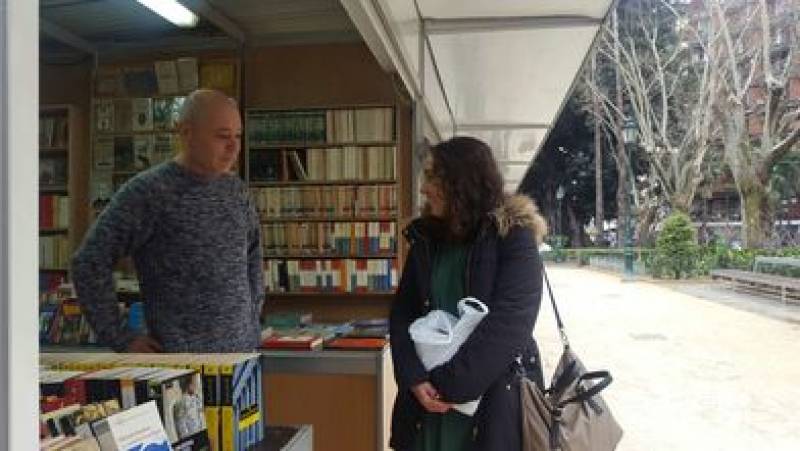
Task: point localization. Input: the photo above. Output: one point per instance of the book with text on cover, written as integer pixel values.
(136, 429)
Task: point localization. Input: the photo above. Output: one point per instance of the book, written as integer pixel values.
(109, 81)
(292, 341)
(136, 429)
(167, 77)
(356, 343)
(219, 76)
(187, 74)
(163, 148)
(143, 146)
(297, 165)
(124, 157)
(123, 115)
(104, 115)
(142, 114)
(103, 153)
(140, 81)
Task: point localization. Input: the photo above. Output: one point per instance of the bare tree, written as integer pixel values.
(667, 90)
(752, 65)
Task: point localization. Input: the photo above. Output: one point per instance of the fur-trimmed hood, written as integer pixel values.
(520, 210)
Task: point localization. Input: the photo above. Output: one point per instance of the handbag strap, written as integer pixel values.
(561, 330)
(586, 395)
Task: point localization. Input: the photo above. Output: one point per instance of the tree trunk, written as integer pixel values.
(756, 212)
(576, 239)
(599, 215)
(623, 201)
(646, 219)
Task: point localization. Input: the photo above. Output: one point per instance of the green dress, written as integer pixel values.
(451, 431)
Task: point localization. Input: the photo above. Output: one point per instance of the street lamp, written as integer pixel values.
(559, 197)
(630, 136)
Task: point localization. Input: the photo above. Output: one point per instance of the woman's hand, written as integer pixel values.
(427, 395)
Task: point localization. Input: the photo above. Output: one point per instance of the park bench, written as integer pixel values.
(786, 288)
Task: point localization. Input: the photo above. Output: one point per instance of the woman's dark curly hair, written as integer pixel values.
(471, 182)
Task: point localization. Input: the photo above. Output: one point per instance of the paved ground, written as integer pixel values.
(696, 367)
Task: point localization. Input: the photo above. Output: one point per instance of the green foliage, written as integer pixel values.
(676, 254)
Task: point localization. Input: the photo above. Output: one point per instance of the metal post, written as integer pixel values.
(628, 253)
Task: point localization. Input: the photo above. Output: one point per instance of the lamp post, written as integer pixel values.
(630, 136)
(559, 241)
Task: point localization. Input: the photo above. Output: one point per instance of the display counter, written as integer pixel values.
(346, 396)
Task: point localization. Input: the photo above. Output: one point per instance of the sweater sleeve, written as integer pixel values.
(255, 259)
(504, 332)
(124, 226)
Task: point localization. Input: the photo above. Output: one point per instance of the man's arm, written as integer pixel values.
(119, 231)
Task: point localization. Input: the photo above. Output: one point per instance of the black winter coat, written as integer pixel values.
(503, 271)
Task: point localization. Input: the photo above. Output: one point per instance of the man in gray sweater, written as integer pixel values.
(194, 237)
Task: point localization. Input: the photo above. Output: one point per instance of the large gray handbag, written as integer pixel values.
(570, 415)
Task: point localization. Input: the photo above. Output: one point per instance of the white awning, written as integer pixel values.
(499, 70)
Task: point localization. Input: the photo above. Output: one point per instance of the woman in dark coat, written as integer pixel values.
(471, 240)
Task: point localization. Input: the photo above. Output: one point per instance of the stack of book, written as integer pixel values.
(204, 400)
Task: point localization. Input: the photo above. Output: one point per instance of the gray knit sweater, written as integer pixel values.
(196, 247)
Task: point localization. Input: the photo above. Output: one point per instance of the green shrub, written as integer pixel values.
(677, 253)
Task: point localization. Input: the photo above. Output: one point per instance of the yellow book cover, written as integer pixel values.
(226, 403)
(211, 400)
(219, 76)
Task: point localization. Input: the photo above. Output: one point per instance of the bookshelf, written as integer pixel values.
(135, 108)
(59, 191)
(325, 185)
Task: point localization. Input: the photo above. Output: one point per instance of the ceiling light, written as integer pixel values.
(173, 11)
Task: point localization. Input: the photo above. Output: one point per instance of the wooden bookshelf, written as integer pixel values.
(346, 141)
(62, 191)
(123, 144)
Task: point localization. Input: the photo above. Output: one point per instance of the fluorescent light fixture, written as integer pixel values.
(173, 11)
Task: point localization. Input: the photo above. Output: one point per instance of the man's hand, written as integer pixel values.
(429, 398)
(143, 344)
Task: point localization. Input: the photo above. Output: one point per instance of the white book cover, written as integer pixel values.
(167, 77)
(135, 429)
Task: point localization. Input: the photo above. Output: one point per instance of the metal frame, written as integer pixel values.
(19, 28)
(5, 388)
(480, 24)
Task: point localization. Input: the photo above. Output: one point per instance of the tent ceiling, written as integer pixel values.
(109, 26)
(502, 68)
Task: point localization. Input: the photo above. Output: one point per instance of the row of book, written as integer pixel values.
(134, 152)
(322, 202)
(53, 212)
(61, 321)
(364, 125)
(166, 77)
(360, 125)
(54, 252)
(141, 114)
(331, 276)
(329, 238)
(353, 335)
(206, 399)
(323, 164)
(49, 285)
(53, 132)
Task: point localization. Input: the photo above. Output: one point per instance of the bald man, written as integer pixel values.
(194, 237)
